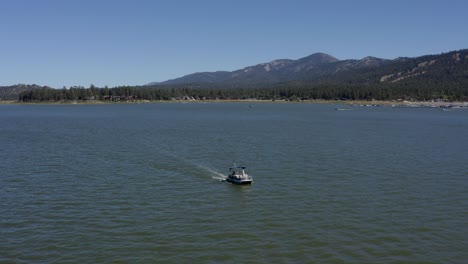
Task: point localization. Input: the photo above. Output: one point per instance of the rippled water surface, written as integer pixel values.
(142, 184)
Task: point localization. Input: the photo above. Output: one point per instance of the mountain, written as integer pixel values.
(200, 77)
(273, 71)
(310, 67)
(323, 68)
(318, 76)
(12, 92)
(442, 77)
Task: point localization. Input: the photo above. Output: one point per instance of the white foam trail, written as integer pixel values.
(215, 174)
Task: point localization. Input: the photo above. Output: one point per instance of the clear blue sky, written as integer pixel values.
(116, 42)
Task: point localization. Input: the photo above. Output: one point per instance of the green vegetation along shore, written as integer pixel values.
(363, 103)
(280, 92)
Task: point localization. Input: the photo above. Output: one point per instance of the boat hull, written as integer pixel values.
(239, 182)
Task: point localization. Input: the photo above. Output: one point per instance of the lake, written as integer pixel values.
(142, 183)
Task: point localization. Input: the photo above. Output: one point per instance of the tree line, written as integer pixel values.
(406, 90)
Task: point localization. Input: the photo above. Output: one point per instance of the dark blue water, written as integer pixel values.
(142, 184)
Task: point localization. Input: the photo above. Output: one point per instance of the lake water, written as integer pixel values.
(141, 183)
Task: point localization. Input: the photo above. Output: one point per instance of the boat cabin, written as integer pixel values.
(237, 171)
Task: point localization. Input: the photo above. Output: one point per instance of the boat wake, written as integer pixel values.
(211, 172)
(214, 174)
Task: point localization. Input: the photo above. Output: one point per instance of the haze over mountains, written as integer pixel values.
(321, 67)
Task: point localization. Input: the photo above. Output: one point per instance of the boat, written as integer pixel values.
(237, 175)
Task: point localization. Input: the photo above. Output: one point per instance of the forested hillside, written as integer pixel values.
(12, 92)
(318, 76)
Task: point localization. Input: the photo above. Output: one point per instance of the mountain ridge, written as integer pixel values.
(321, 76)
(259, 71)
(320, 67)
(275, 70)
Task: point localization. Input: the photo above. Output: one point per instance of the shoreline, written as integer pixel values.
(375, 103)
